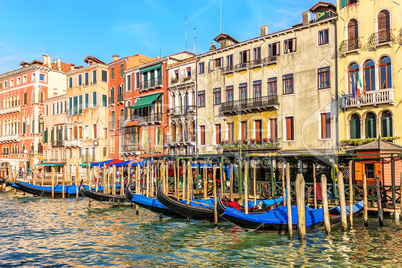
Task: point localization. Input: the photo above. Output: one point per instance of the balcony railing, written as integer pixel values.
(152, 83)
(250, 104)
(382, 38)
(73, 143)
(87, 158)
(9, 138)
(350, 45)
(256, 63)
(150, 118)
(271, 60)
(375, 97)
(8, 110)
(130, 147)
(120, 98)
(112, 125)
(242, 66)
(58, 143)
(251, 145)
(228, 69)
(111, 100)
(181, 110)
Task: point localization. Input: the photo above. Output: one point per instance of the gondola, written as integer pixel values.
(36, 190)
(276, 219)
(150, 203)
(198, 209)
(110, 199)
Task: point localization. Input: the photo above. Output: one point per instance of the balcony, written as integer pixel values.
(151, 84)
(270, 60)
(228, 69)
(381, 38)
(256, 63)
(120, 98)
(58, 143)
(248, 105)
(112, 125)
(75, 143)
(9, 138)
(350, 46)
(150, 118)
(178, 140)
(111, 101)
(181, 110)
(374, 98)
(186, 79)
(242, 66)
(130, 147)
(251, 145)
(9, 110)
(87, 158)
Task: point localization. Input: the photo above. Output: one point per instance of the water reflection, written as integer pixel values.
(45, 232)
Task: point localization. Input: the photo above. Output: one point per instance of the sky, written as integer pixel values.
(74, 29)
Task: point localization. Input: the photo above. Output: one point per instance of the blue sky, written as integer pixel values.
(73, 29)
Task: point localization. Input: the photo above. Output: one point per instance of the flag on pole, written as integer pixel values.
(353, 86)
(359, 86)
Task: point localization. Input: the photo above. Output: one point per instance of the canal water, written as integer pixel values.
(56, 233)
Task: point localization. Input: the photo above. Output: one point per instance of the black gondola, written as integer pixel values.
(151, 204)
(46, 191)
(110, 199)
(199, 212)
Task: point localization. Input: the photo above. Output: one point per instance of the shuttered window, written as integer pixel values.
(290, 128)
(273, 128)
(244, 131)
(386, 125)
(230, 132)
(258, 129)
(355, 127)
(202, 132)
(218, 133)
(325, 126)
(371, 131)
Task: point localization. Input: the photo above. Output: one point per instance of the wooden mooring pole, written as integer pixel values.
(245, 187)
(351, 194)
(76, 181)
(231, 180)
(301, 216)
(324, 195)
(215, 197)
(365, 212)
(283, 184)
(342, 201)
(52, 182)
(315, 187)
(63, 183)
(379, 205)
(289, 202)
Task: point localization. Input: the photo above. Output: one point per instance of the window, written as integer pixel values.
(257, 90)
(137, 79)
(369, 76)
(201, 98)
(230, 131)
(385, 73)
(104, 76)
(70, 82)
(384, 24)
(70, 110)
(243, 91)
(349, 2)
(272, 86)
(5, 84)
(217, 96)
(94, 103)
(95, 133)
(129, 82)
(104, 151)
(47, 110)
(94, 77)
(323, 37)
(386, 124)
(215, 64)
(112, 73)
(71, 153)
(289, 46)
(355, 127)
(229, 60)
(288, 84)
(289, 128)
(86, 100)
(19, 81)
(258, 129)
(353, 80)
(79, 80)
(323, 78)
(121, 70)
(229, 93)
(371, 131)
(176, 75)
(188, 70)
(353, 34)
(86, 79)
(202, 132)
(105, 133)
(369, 170)
(25, 98)
(218, 133)
(257, 53)
(113, 115)
(1, 85)
(273, 128)
(244, 57)
(201, 68)
(80, 105)
(325, 126)
(244, 131)
(104, 100)
(24, 79)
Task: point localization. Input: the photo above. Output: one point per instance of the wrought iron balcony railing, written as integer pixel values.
(58, 143)
(152, 83)
(349, 45)
(381, 37)
(150, 118)
(252, 144)
(250, 104)
(181, 110)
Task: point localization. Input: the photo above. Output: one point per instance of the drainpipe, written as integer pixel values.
(336, 91)
(196, 106)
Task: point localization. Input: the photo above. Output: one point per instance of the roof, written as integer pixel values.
(223, 36)
(322, 5)
(378, 144)
(90, 58)
(182, 62)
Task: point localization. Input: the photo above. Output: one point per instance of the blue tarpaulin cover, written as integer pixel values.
(71, 189)
(148, 201)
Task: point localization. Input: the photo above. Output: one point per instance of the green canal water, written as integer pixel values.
(41, 232)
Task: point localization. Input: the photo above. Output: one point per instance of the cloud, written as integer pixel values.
(136, 28)
(202, 10)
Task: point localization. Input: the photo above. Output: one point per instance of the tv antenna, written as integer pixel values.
(185, 26)
(194, 38)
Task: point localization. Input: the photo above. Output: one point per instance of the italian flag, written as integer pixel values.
(359, 86)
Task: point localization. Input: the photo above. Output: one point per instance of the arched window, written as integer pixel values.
(40, 97)
(385, 73)
(383, 22)
(371, 131)
(40, 123)
(111, 96)
(353, 35)
(355, 127)
(61, 107)
(386, 124)
(353, 76)
(369, 75)
(40, 148)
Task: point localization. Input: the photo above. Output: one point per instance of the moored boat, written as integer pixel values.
(69, 190)
(110, 199)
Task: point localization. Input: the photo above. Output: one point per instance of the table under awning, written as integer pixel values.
(145, 101)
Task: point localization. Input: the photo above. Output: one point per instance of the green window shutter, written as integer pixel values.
(52, 135)
(125, 113)
(44, 137)
(354, 129)
(137, 79)
(104, 100)
(94, 99)
(80, 105)
(344, 3)
(70, 108)
(24, 125)
(33, 126)
(386, 127)
(370, 128)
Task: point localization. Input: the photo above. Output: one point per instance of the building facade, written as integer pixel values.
(22, 93)
(370, 37)
(271, 94)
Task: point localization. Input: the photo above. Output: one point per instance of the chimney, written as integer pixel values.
(49, 62)
(44, 60)
(115, 57)
(157, 57)
(72, 66)
(213, 46)
(58, 64)
(264, 30)
(306, 17)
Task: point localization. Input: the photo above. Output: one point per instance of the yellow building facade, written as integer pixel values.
(370, 39)
(271, 94)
